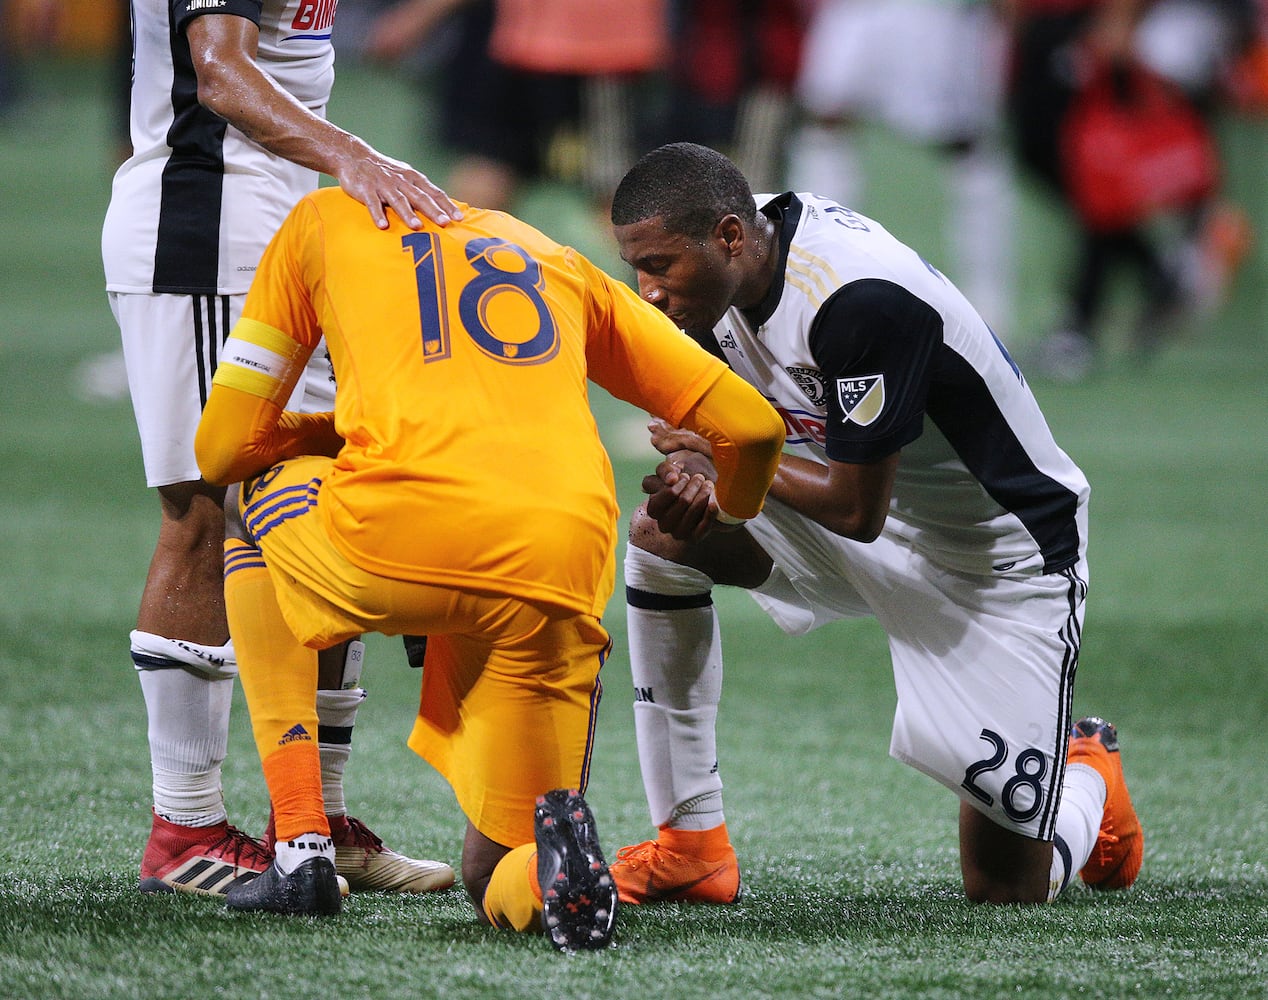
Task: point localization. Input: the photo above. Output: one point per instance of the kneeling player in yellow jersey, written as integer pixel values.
(458, 491)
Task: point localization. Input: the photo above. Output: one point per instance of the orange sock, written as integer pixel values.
(513, 899)
(279, 679)
(293, 774)
(707, 845)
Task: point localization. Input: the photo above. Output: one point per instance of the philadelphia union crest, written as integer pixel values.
(862, 398)
(811, 382)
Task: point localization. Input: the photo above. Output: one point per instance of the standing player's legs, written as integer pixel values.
(180, 646)
(979, 226)
(934, 75)
(607, 126)
(962, 50)
(836, 84)
(480, 116)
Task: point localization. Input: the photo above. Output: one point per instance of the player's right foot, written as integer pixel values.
(651, 872)
(206, 860)
(311, 890)
(579, 898)
(1120, 845)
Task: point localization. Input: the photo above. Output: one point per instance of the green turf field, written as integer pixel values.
(852, 881)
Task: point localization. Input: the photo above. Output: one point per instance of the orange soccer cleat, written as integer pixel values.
(681, 866)
(1120, 844)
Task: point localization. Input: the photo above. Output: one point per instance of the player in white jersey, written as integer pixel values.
(227, 126)
(920, 485)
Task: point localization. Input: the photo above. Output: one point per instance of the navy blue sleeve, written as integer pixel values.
(875, 343)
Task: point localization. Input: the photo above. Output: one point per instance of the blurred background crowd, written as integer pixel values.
(1111, 109)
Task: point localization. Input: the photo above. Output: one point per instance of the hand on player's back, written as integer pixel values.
(381, 182)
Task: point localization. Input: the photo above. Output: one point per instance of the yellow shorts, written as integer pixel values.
(510, 690)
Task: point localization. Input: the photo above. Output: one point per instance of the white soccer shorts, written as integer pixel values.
(171, 344)
(983, 665)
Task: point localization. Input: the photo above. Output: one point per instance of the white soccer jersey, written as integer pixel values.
(193, 208)
(866, 349)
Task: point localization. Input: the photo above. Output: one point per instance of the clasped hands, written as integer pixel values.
(681, 491)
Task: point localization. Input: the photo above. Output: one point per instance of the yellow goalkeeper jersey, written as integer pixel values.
(470, 456)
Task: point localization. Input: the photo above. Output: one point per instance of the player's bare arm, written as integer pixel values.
(712, 480)
(223, 49)
(849, 499)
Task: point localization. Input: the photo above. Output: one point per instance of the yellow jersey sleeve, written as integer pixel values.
(747, 436)
(637, 354)
(241, 434)
(243, 427)
(261, 360)
(639, 348)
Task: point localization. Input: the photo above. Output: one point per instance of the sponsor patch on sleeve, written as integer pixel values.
(260, 360)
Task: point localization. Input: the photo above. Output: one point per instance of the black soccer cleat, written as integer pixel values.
(311, 890)
(579, 898)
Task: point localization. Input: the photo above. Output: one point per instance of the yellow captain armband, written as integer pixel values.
(261, 360)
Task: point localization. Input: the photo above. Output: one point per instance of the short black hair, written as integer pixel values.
(689, 185)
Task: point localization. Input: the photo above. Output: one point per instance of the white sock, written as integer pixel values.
(1078, 823)
(188, 720)
(823, 160)
(291, 854)
(676, 666)
(336, 714)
